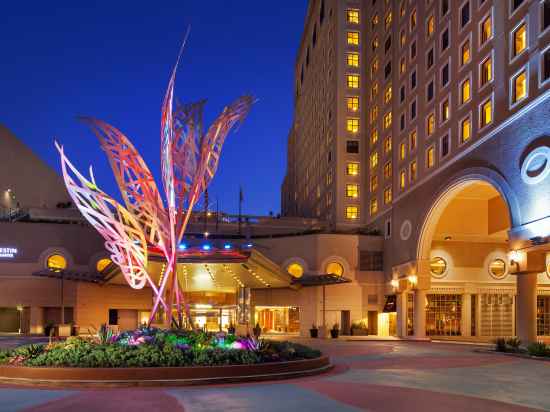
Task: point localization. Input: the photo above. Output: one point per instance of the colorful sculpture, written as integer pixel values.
(189, 160)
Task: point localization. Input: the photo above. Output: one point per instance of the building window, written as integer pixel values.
(353, 59)
(412, 171)
(353, 16)
(515, 4)
(465, 14)
(353, 81)
(352, 146)
(413, 49)
(413, 80)
(445, 75)
(373, 160)
(402, 38)
(373, 206)
(412, 140)
(402, 122)
(519, 86)
(352, 169)
(445, 145)
(352, 190)
(465, 53)
(387, 120)
(465, 130)
(413, 20)
(430, 91)
(545, 66)
(402, 65)
(295, 270)
(388, 20)
(387, 145)
(465, 91)
(402, 9)
(430, 26)
(374, 136)
(402, 94)
(56, 263)
(445, 111)
(444, 7)
(353, 103)
(373, 183)
(352, 212)
(375, 43)
(387, 44)
(352, 125)
(430, 59)
(445, 40)
(374, 67)
(430, 124)
(374, 91)
(387, 170)
(387, 70)
(545, 15)
(102, 264)
(387, 195)
(402, 151)
(430, 157)
(519, 40)
(373, 113)
(486, 113)
(486, 30)
(328, 178)
(375, 20)
(402, 179)
(353, 38)
(486, 68)
(387, 94)
(413, 110)
(335, 268)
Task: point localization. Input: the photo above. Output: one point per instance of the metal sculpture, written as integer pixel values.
(189, 160)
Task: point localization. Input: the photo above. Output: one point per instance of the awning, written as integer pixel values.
(320, 280)
(391, 304)
(71, 275)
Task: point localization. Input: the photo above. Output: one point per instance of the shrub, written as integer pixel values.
(538, 349)
(500, 345)
(513, 344)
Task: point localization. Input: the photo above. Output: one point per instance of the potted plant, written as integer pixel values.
(257, 331)
(335, 331)
(314, 331)
(359, 328)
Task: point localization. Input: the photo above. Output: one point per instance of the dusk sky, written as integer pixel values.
(112, 60)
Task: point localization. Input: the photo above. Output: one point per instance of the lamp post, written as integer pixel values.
(20, 310)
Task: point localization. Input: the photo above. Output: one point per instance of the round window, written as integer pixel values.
(295, 269)
(497, 268)
(56, 263)
(335, 268)
(102, 264)
(438, 267)
(536, 166)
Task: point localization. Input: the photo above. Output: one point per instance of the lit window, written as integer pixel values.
(387, 170)
(335, 268)
(373, 206)
(430, 28)
(373, 160)
(374, 67)
(387, 145)
(465, 53)
(387, 94)
(353, 103)
(374, 91)
(352, 125)
(56, 263)
(402, 38)
(353, 38)
(387, 20)
(445, 111)
(465, 91)
(402, 179)
(352, 169)
(295, 270)
(430, 124)
(374, 136)
(413, 20)
(486, 29)
(465, 130)
(402, 65)
(402, 9)
(373, 183)
(430, 157)
(375, 20)
(412, 140)
(102, 264)
(353, 81)
(387, 195)
(520, 40)
(353, 16)
(486, 71)
(373, 113)
(412, 171)
(353, 59)
(519, 87)
(352, 190)
(402, 151)
(387, 120)
(486, 114)
(375, 43)
(352, 212)
(438, 267)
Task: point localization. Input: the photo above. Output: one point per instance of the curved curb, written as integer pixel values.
(514, 355)
(161, 376)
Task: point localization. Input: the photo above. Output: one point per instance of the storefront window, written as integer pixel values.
(335, 268)
(278, 319)
(295, 269)
(443, 315)
(543, 315)
(497, 268)
(497, 315)
(56, 263)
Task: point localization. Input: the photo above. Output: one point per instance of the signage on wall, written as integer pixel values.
(8, 252)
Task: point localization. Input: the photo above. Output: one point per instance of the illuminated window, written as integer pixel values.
(352, 190)
(412, 171)
(353, 59)
(387, 120)
(412, 140)
(353, 103)
(373, 160)
(375, 20)
(353, 16)
(486, 71)
(465, 91)
(486, 29)
(402, 179)
(352, 125)
(353, 81)
(374, 91)
(430, 124)
(387, 20)
(56, 263)
(352, 212)
(373, 113)
(102, 264)
(519, 86)
(328, 199)
(465, 53)
(430, 27)
(374, 136)
(353, 38)
(402, 65)
(402, 151)
(387, 195)
(329, 177)
(486, 113)
(373, 206)
(445, 111)
(335, 268)
(402, 38)
(387, 145)
(465, 130)
(387, 170)
(373, 183)
(430, 157)
(520, 39)
(352, 169)
(402, 9)
(295, 270)
(374, 67)
(438, 266)
(387, 94)
(413, 20)
(375, 43)
(497, 268)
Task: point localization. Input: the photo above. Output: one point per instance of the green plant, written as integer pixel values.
(500, 345)
(538, 349)
(513, 344)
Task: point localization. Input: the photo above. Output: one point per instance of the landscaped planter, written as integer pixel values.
(359, 332)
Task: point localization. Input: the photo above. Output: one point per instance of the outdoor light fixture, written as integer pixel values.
(227, 246)
(515, 257)
(249, 245)
(206, 234)
(394, 283)
(182, 246)
(206, 247)
(413, 279)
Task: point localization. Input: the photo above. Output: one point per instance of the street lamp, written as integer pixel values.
(20, 310)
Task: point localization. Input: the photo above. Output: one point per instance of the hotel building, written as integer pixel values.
(426, 122)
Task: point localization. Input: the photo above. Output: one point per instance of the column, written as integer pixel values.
(466, 315)
(401, 308)
(419, 314)
(36, 320)
(527, 307)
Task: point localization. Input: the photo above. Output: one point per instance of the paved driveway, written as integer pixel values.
(372, 376)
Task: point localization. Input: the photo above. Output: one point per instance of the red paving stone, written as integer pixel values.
(127, 400)
(386, 398)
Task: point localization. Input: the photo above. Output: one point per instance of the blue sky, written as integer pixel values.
(112, 60)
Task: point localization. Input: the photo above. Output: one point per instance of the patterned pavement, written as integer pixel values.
(369, 376)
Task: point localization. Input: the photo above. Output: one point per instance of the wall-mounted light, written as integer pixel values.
(394, 283)
(413, 279)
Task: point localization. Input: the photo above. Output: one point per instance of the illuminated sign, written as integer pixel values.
(8, 252)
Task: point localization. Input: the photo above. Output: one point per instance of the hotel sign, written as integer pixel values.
(8, 252)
